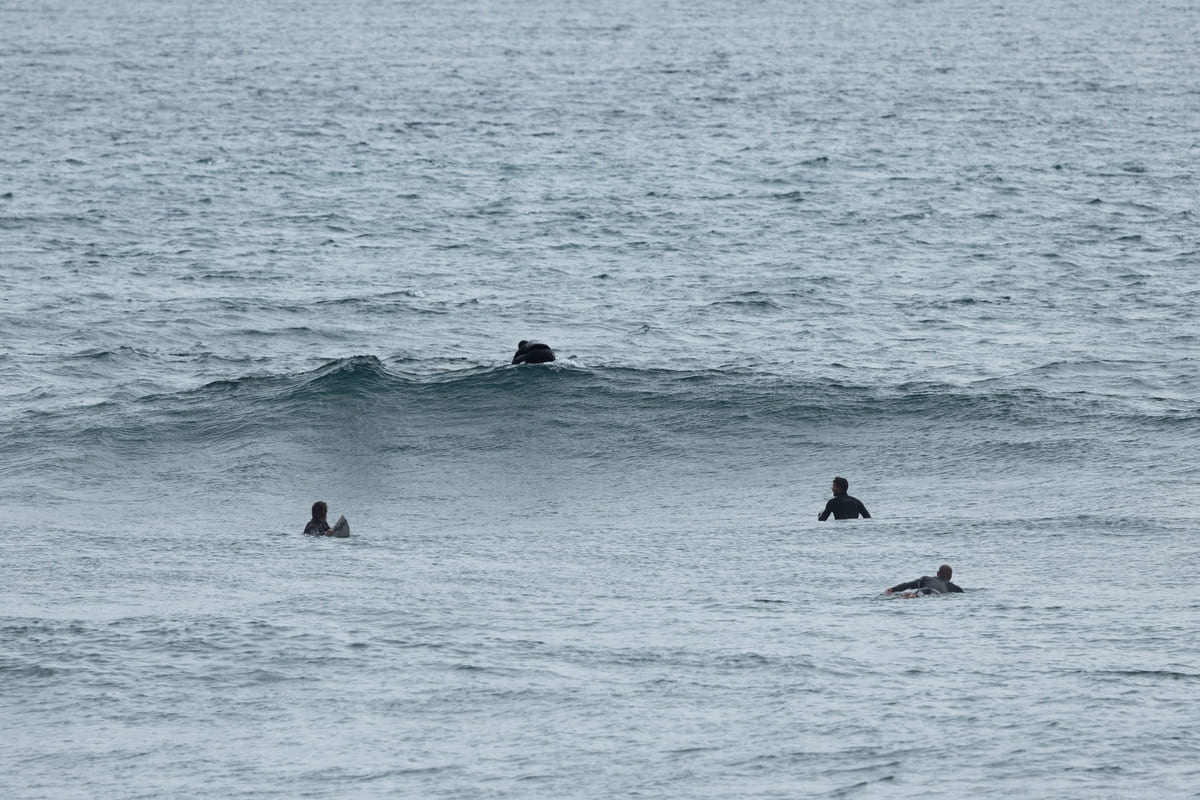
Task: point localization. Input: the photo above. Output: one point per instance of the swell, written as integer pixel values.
(361, 392)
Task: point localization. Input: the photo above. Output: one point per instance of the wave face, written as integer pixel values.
(591, 430)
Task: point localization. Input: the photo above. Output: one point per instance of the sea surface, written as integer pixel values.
(256, 254)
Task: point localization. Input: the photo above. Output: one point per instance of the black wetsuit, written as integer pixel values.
(843, 506)
(533, 353)
(927, 585)
(316, 527)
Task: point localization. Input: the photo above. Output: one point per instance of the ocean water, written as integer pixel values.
(258, 254)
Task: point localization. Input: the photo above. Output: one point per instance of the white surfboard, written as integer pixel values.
(341, 529)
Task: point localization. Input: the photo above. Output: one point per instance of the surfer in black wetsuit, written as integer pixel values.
(532, 353)
(842, 505)
(318, 526)
(927, 585)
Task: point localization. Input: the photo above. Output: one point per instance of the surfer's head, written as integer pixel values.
(840, 485)
(944, 572)
(521, 345)
(320, 510)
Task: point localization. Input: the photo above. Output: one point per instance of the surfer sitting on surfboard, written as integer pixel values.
(318, 526)
(842, 505)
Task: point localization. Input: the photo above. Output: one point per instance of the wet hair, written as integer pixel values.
(320, 509)
(841, 483)
(944, 572)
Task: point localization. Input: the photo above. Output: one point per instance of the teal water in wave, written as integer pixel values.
(254, 255)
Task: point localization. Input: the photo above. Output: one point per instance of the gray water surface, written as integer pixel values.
(257, 254)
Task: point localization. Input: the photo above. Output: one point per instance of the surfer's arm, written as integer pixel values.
(904, 587)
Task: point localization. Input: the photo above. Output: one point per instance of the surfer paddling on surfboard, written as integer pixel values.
(925, 585)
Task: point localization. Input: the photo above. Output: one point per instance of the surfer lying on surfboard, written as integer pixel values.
(926, 585)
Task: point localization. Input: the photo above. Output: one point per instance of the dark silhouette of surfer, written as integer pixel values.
(532, 353)
(319, 525)
(927, 585)
(842, 505)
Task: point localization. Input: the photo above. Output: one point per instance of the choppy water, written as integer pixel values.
(258, 254)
